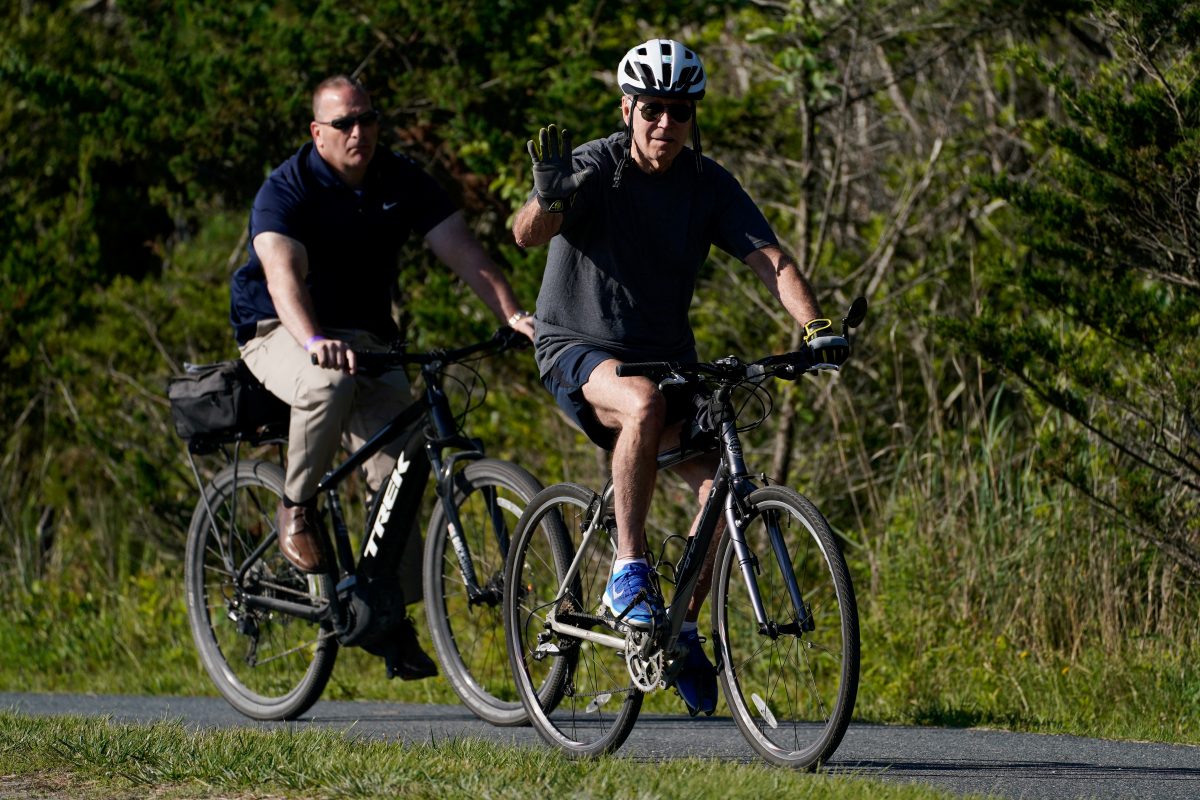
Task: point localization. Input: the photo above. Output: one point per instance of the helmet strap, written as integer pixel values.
(628, 154)
(696, 139)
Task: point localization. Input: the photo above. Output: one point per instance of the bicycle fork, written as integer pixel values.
(748, 563)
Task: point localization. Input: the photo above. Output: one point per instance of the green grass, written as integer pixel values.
(99, 758)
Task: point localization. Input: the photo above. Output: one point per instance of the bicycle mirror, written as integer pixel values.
(856, 314)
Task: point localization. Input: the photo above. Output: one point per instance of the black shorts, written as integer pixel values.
(571, 371)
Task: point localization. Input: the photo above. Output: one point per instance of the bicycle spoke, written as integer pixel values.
(595, 705)
(790, 694)
(463, 609)
(268, 664)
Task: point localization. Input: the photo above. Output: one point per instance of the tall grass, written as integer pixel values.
(991, 594)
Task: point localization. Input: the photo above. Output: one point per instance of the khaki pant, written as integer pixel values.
(330, 409)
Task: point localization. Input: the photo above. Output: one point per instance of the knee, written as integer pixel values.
(645, 411)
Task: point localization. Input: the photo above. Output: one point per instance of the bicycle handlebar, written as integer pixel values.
(731, 369)
(504, 338)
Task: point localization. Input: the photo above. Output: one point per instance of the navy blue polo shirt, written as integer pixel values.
(353, 238)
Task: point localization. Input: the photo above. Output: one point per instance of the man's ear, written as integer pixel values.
(626, 108)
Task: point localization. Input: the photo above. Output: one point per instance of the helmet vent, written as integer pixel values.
(648, 78)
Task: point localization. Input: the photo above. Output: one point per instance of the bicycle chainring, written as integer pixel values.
(645, 661)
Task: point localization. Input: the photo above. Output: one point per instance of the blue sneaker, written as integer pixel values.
(624, 585)
(697, 681)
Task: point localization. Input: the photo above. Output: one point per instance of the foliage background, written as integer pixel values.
(1011, 458)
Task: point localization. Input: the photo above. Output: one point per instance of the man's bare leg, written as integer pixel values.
(635, 408)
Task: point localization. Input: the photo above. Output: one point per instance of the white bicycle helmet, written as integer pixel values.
(662, 68)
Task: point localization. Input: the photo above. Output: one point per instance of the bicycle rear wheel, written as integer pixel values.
(468, 632)
(587, 704)
(790, 685)
(267, 664)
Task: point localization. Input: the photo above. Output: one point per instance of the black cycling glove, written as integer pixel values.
(827, 347)
(553, 175)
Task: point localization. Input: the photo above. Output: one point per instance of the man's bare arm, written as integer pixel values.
(534, 225)
(456, 247)
(778, 271)
(285, 264)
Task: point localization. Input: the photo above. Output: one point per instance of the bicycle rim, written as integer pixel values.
(791, 691)
(592, 703)
(267, 664)
(468, 632)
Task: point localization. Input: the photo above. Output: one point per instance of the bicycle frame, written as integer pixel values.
(731, 485)
(395, 507)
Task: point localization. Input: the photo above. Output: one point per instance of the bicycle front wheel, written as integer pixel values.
(465, 617)
(267, 664)
(578, 693)
(790, 681)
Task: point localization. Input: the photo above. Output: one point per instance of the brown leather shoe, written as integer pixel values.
(300, 538)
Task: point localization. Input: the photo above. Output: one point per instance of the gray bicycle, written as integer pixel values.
(784, 619)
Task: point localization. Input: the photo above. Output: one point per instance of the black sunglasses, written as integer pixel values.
(346, 124)
(678, 113)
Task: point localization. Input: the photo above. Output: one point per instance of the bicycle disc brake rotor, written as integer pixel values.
(644, 661)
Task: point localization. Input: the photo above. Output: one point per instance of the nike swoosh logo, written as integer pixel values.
(390, 206)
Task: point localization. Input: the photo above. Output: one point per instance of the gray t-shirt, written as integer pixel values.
(621, 272)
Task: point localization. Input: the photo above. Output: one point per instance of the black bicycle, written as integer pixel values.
(784, 619)
(268, 635)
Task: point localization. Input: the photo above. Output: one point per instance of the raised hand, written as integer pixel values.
(554, 177)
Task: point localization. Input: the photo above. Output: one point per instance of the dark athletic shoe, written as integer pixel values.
(697, 681)
(407, 661)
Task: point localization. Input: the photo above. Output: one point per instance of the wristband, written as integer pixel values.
(517, 317)
(316, 337)
(556, 206)
(816, 327)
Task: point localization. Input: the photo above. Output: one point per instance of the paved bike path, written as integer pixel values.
(1009, 765)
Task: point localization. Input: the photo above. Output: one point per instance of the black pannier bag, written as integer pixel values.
(223, 402)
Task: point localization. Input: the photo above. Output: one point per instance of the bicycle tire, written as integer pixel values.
(791, 695)
(469, 636)
(578, 679)
(268, 665)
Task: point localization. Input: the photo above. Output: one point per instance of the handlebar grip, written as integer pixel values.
(643, 368)
(511, 339)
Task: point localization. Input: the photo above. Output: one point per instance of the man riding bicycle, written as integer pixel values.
(630, 219)
(325, 233)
